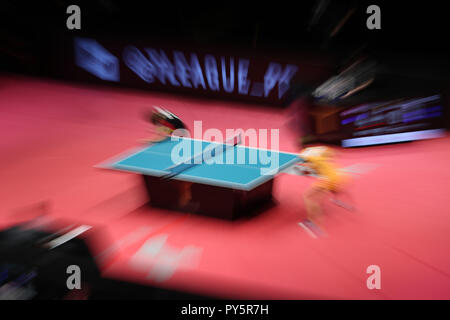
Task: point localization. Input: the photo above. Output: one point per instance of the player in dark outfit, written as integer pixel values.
(166, 124)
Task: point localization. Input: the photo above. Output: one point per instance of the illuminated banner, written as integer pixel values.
(190, 70)
(92, 57)
(395, 121)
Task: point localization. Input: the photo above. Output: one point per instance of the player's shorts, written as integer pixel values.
(331, 184)
(328, 185)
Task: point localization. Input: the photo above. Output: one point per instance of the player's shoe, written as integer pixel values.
(342, 204)
(312, 229)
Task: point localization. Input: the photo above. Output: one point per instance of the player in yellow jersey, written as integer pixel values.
(320, 162)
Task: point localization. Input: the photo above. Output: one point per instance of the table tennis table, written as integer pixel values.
(225, 185)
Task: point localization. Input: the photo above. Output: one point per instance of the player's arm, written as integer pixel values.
(159, 133)
(308, 161)
(155, 139)
(305, 167)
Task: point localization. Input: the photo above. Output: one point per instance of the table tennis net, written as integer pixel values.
(205, 155)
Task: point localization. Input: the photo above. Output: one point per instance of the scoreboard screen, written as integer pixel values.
(400, 120)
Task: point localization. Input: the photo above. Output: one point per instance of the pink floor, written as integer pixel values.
(54, 134)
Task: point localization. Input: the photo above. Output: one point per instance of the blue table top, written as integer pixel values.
(238, 167)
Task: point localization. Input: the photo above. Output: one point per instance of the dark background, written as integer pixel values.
(411, 46)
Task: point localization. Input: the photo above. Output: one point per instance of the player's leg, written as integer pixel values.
(185, 193)
(311, 224)
(312, 199)
(340, 195)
